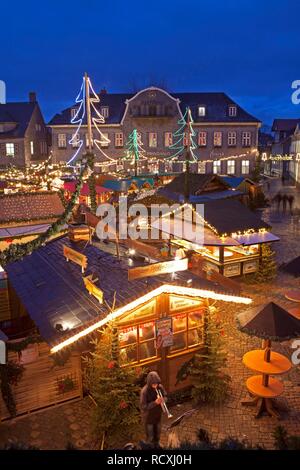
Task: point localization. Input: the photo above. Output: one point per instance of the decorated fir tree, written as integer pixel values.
(134, 150)
(267, 267)
(114, 389)
(184, 145)
(206, 368)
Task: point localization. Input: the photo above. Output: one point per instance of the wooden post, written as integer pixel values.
(88, 112)
(221, 259)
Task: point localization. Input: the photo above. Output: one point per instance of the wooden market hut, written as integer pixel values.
(67, 307)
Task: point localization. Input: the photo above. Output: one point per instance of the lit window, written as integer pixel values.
(230, 167)
(246, 139)
(187, 331)
(75, 140)
(43, 148)
(217, 167)
(104, 143)
(218, 139)
(31, 148)
(168, 139)
(245, 167)
(61, 141)
(152, 139)
(104, 111)
(38, 127)
(73, 112)
(119, 141)
(10, 150)
(201, 111)
(232, 110)
(202, 168)
(231, 139)
(202, 139)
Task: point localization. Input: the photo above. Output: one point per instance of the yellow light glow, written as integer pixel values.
(165, 289)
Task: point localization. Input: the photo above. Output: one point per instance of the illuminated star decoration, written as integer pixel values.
(79, 118)
(183, 138)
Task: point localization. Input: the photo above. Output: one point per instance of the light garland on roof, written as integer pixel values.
(164, 289)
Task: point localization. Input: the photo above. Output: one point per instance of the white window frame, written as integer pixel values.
(201, 110)
(168, 139)
(218, 138)
(231, 139)
(10, 149)
(31, 148)
(246, 139)
(104, 111)
(61, 141)
(201, 168)
(202, 138)
(232, 110)
(105, 144)
(216, 167)
(245, 167)
(119, 139)
(73, 112)
(230, 167)
(152, 139)
(75, 143)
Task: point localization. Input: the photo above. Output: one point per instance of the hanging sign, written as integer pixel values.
(75, 256)
(164, 332)
(158, 268)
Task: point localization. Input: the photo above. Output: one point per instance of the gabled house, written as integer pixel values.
(24, 138)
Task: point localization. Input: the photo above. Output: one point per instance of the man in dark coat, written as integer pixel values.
(151, 408)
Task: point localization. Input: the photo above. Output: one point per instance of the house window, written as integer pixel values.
(73, 112)
(201, 111)
(75, 140)
(31, 148)
(105, 141)
(137, 343)
(38, 127)
(246, 139)
(201, 168)
(202, 139)
(187, 331)
(232, 110)
(152, 139)
(168, 139)
(218, 139)
(62, 141)
(245, 167)
(43, 147)
(119, 140)
(230, 167)
(10, 150)
(217, 167)
(231, 139)
(104, 111)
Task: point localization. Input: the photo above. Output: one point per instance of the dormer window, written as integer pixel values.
(201, 111)
(232, 111)
(73, 112)
(104, 111)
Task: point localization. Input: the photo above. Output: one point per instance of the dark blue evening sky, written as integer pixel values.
(249, 49)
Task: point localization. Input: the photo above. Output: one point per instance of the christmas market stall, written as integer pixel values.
(68, 291)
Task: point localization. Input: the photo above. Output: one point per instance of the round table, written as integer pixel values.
(278, 364)
(264, 388)
(293, 295)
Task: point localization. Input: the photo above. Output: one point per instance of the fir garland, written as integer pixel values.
(21, 345)
(16, 252)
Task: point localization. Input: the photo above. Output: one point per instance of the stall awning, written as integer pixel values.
(256, 238)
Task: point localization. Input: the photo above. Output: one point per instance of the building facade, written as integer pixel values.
(222, 130)
(24, 137)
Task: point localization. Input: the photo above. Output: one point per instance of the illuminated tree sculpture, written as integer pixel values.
(184, 145)
(88, 114)
(134, 149)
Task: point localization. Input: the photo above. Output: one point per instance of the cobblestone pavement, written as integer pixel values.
(58, 427)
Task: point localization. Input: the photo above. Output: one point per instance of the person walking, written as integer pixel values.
(284, 202)
(291, 200)
(150, 404)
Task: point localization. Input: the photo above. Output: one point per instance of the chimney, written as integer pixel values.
(103, 91)
(32, 97)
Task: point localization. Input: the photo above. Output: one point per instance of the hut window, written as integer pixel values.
(137, 343)
(187, 330)
(128, 345)
(147, 341)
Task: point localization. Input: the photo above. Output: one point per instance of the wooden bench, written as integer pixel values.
(89, 283)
